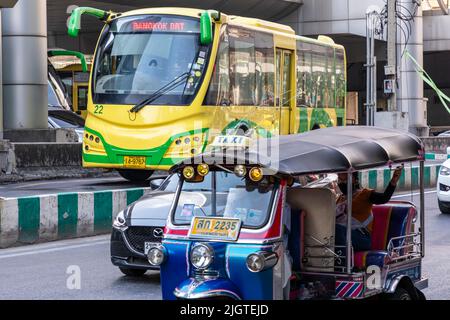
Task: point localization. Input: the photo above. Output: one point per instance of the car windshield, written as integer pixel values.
(226, 196)
(66, 119)
(139, 55)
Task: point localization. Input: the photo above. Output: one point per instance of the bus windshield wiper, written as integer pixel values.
(161, 91)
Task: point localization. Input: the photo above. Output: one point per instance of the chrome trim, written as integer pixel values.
(206, 294)
(269, 259)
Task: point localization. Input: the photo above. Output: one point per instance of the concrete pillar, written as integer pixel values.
(25, 98)
(410, 94)
(1, 81)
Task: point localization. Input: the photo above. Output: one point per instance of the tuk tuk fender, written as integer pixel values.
(405, 282)
(207, 289)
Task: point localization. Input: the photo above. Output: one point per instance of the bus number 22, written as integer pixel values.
(98, 109)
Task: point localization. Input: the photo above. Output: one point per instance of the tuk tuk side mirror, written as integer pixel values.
(74, 25)
(206, 17)
(79, 55)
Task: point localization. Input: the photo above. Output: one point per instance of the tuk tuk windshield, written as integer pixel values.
(223, 194)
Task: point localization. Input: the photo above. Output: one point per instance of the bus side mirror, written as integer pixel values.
(74, 25)
(206, 26)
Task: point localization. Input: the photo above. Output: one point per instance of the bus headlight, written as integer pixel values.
(260, 261)
(157, 255)
(202, 255)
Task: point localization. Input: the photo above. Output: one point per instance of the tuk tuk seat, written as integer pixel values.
(394, 219)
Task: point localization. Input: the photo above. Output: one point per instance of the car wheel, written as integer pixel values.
(444, 207)
(133, 272)
(135, 175)
(399, 294)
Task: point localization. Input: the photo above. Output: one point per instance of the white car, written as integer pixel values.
(443, 187)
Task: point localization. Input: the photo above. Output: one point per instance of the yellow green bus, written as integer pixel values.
(166, 81)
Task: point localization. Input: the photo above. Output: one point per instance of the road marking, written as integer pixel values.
(412, 194)
(40, 251)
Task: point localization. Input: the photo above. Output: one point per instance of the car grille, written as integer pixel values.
(137, 236)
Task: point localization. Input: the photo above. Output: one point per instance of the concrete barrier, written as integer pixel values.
(68, 215)
(409, 180)
(29, 220)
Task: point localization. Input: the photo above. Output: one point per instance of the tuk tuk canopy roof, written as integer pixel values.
(335, 149)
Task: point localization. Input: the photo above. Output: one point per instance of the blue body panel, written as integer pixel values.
(229, 271)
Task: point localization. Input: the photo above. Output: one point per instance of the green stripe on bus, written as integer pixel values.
(303, 120)
(373, 179)
(67, 215)
(414, 177)
(133, 195)
(427, 177)
(29, 219)
(102, 211)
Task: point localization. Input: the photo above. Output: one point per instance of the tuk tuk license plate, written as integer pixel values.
(215, 228)
(134, 162)
(148, 246)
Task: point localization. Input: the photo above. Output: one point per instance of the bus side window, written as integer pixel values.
(219, 88)
(319, 74)
(303, 74)
(330, 79)
(242, 67)
(341, 85)
(265, 69)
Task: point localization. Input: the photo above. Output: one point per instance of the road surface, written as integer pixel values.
(41, 271)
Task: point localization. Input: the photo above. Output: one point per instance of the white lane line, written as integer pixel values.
(35, 184)
(40, 251)
(412, 194)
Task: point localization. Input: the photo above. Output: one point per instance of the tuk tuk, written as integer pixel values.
(259, 233)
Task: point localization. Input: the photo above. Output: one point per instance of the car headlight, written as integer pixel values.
(202, 255)
(257, 262)
(120, 220)
(445, 171)
(156, 255)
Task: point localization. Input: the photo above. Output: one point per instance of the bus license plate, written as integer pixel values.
(215, 228)
(134, 162)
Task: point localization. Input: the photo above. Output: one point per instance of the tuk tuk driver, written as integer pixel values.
(362, 203)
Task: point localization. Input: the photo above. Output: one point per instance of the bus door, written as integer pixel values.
(285, 93)
(80, 93)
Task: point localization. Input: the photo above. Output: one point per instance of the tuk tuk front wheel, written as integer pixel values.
(399, 294)
(133, 272)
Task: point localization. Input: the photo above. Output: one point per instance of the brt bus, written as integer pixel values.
(166, 81)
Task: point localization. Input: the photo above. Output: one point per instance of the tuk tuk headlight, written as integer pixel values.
(188, 172)
(120, 220)
(240, 170)
(157, 255)
(202, 255)
(260, 261)
(203, 169)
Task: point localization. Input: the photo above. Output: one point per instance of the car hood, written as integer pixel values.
(153, 206)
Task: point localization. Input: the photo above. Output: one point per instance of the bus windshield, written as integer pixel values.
(139, 55)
